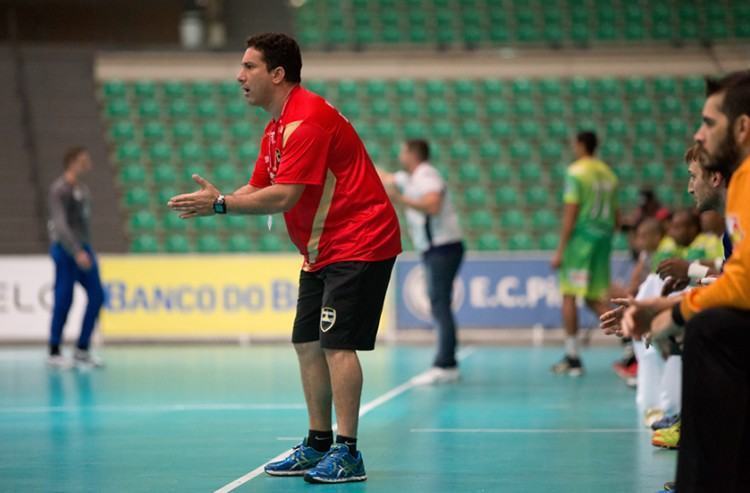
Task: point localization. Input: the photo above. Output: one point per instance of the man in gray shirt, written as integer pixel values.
(75, 261)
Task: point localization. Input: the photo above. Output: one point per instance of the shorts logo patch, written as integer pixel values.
(327, 318)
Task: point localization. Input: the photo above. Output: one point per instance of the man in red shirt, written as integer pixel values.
(314, 168)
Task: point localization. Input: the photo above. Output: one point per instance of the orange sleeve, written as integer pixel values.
(732, 288)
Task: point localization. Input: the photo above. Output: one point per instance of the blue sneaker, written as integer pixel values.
(665, 422)
(338, 466)
(301, 460)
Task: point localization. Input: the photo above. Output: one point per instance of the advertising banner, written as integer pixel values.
(492, 291)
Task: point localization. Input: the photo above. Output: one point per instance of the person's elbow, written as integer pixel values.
(290, 197)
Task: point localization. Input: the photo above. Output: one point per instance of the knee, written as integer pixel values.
(339, 354)
(307, 350)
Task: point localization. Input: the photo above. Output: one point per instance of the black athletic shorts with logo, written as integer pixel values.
(341, 304)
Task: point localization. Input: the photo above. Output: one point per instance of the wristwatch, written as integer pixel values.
(220, 205)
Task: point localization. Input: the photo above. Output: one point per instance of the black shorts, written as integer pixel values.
(341, 304)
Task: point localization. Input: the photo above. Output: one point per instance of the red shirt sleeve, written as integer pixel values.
(260, 177)
(304, 155)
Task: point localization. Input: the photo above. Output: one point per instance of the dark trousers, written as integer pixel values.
(714, 453)
(441, 266)
(67, 273)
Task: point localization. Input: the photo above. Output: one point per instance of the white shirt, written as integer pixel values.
(443, 226)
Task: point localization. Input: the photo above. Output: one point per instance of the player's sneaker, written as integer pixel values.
(301, 460)
(668, 438)
(665, 422)
(436, 375)
(651, 416)
(59, 362)
(338, 466)
(570, 366)
(85, 359)
(627, 370)
(670, 486)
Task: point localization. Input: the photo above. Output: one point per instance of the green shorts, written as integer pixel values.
(585, 266)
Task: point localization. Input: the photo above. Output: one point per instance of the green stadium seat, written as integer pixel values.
(142, 221)
(644, 150)
(693, 86)
(551, 151)
(670, 106)
(385, 130)
(123, 131)
(229, 89)
(641, 106)
(207, 109)
(557, 129)
(149, 109)
(241, 131)
(512, 220)
(137, 198)
(218, 152)
(115, 89)
(132, 174)
(351, 109)
(443, 129)
(240, 223)
(471, 129)
(118, 108)
(558, 171)
(465, 88)
(467, 108)
(270, 243)
(177, 243)
(179, 108)
(550, 87)
(202, 90)
(522, 87)
(530, 172)
(160, 151)
(129, 151)
(239, 243)
(635, 87)
(405, 88)
(500, 129)
(435, 88)
(646, 128)
(520, 151)
(616, 128)
(626, 172)
(501, 173)
(225, 175)
(235, 109)
(545, 220)
(408, 108)
(415, 130)
(548, 241)
(674, 150)
(606, 87)
(653, 172)
(206, 223)
(154, 130)
(469, 173)
(460, 151)
(164, 193)
(665, 86)
(489, 151)
(677, 128)
(475, 196)
(579, 87)
(174, 89)
(488, 242)
(612, 107)
(212, 130)
(191, 152)
(377, 88)
(628, 194)
(536, 196)
(665, 193)
(554, 106)
(506, 196)
(144, 243)
(497, 108)
(480, 220)
(173, 223)
(492, 88)
(613, 151)
(524, 108)
(520, 241)
(437, 108)
(528, 129)
(183, 130)
(208, 243)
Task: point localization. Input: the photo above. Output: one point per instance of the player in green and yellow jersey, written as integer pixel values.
(583, 254)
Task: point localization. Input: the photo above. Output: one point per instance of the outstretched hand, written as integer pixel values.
(200, 203)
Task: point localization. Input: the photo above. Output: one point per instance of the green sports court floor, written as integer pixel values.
(162, 419)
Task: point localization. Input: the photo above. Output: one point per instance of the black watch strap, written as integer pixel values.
(220, 205)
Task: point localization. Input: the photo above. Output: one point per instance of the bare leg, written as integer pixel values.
(316, 383)
(570, 315)
(346, 380)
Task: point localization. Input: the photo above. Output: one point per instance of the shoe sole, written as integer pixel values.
(353, 479)
(575, 373)
(663, 445)
(287, 473)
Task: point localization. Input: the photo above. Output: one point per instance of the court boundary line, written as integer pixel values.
(529, 430)
(369, 406)
(152, 409)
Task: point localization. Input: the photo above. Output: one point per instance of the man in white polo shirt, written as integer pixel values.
(436, 234)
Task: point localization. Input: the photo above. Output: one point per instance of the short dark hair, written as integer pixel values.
(71, 155)
(420, 147)
(589, 140)
(279, 50)
(736, 89)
